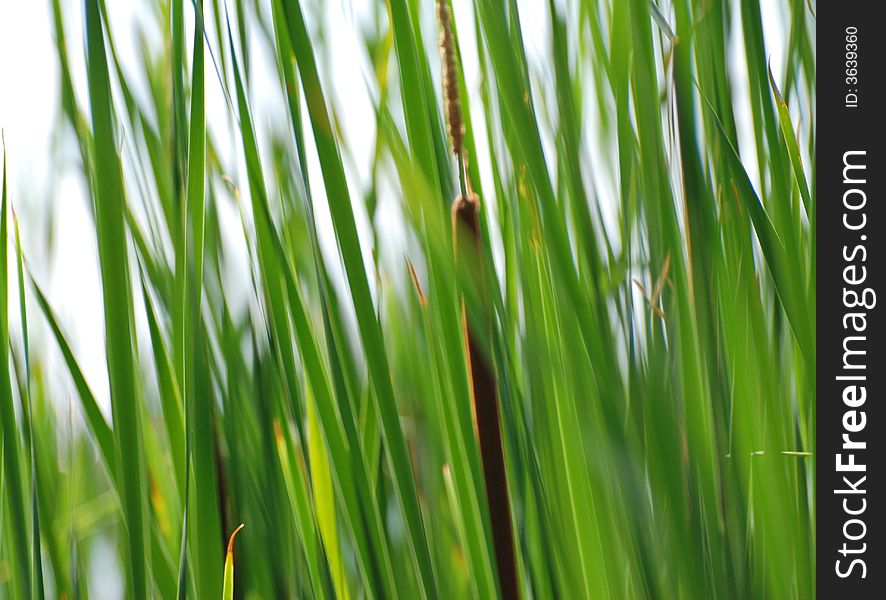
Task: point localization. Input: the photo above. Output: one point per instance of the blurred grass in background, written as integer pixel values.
(652, 312)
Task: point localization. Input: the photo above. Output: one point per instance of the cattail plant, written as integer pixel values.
(468, 243)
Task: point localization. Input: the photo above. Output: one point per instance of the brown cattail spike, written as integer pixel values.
(484, 392)
(465, 211)
(451, 103)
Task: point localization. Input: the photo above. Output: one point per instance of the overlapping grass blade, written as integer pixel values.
(36, 554)
(117, 298)
(14, 498)
(367, 322)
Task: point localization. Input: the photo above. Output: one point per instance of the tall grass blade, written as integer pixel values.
(117, 298)
(14, 497)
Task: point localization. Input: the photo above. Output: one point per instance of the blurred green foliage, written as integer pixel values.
(652, 313)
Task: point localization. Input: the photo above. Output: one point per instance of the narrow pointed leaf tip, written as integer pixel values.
(228, 591)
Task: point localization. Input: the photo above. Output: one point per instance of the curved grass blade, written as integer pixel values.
(228, 588)
(785, 267)
(661, 20)
(790, 140)
(99, 428)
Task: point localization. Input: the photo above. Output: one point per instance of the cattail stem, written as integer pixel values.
(468, 243)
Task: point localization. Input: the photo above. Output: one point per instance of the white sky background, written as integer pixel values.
(47, 189)
(48, 192)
